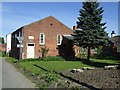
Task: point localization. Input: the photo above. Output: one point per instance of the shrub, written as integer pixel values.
(112, 57)
(27, 60)
(42, 85)
(98, 56)
(53, 58)
(50, 77)
(48, 58)
(62, 84)
(44, 51)
(3, 53)
(106, 57)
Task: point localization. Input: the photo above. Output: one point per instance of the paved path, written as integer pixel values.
(11, 78)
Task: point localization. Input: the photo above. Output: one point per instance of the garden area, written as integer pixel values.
(55, 72)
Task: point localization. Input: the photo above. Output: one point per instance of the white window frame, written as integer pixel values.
(43, 39)
(59, 40)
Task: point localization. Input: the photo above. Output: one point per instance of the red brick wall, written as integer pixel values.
(3, 47)
(51, 27)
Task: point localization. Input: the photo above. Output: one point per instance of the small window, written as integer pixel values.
(59, 39)
(30, 37)
(15, 35)
(42, 39)
(19, 34)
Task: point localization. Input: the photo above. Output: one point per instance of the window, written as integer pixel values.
(30, 37)
(59, 39)
(15, 35)
(19, 34)
(13, 39)
(42, 39)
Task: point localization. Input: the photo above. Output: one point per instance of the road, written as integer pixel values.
(12, 78)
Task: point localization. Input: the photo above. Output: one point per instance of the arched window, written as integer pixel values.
(42, 39)
(59, 39)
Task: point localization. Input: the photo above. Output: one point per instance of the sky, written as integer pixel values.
(18, 14)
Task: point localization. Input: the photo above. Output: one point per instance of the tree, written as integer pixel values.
(44, 51)
(91, 32)
(1, 40)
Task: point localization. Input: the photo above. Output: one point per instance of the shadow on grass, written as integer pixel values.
(95, 64)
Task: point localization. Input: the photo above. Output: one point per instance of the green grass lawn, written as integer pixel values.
(106, 61)
(62, 65)
(51, 65)
(68, 65)
(30, 67)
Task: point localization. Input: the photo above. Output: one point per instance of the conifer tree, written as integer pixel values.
(91, 33)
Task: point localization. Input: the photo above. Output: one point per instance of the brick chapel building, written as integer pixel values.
(49, 33)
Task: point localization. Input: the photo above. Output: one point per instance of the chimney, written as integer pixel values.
(75, 28)
(112, 34)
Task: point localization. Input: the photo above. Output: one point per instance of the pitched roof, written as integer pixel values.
(116, 39)
(70, 37)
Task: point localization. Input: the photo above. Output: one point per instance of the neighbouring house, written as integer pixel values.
(2, 44)
(8, 44)
(116, 40)
(3, 47)
(48, 32)
(114, 46)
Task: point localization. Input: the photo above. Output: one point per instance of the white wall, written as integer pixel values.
(8, 43)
